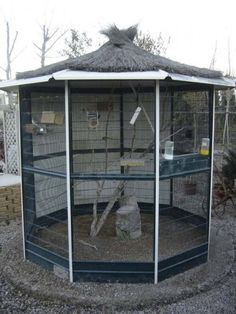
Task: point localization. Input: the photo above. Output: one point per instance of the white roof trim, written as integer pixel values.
(13, 83)
(146, 75)
(195, 79)
(85, 75)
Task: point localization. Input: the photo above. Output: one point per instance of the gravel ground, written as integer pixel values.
(176, 235)
(190, 292)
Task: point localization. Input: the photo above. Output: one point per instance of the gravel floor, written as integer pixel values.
(219, 298)
(176, 236)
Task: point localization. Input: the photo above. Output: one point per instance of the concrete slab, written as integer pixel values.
(9, 179)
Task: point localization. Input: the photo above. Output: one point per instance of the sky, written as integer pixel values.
(195, 27)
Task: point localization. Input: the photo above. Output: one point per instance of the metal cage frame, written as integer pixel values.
(117, 271)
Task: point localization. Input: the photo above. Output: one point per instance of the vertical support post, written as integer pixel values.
(121, 130)
(20, 171)
(212, 133)
(17, 118)
(156, 245)
(68, 180)
(171, 138)
(27, 158)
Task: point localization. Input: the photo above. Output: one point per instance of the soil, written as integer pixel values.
(176, 236)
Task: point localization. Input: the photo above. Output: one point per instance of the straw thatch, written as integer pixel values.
(120, 54)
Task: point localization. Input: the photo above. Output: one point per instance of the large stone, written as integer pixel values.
(128, 200)
(128, 220)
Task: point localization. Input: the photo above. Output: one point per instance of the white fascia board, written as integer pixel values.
(8, 85)
(83, 75)
(145, 75)
(210, 81)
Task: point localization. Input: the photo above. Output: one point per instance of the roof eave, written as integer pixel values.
(145, 75)
(13, 84)
(217, 82)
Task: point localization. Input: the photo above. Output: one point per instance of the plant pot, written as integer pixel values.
(218, 190)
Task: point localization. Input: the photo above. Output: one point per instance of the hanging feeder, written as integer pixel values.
(93, 119)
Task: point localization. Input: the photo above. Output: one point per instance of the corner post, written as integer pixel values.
(212, 101)
(68, 179)
(156, 242)
(19, 126)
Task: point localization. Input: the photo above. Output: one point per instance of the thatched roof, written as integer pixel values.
(120, 54)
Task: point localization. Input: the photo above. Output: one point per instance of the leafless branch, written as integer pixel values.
(55, 41)
(47, 37)
(18, 54)
(53, 34)
(3, 69)
(13, 44)
(37, 46)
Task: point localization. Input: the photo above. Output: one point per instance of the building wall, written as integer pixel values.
(10, 201)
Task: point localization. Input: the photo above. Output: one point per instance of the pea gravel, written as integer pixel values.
(209, 288)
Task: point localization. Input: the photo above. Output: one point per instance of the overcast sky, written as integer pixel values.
(194, 26)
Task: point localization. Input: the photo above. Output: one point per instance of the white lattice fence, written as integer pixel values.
(10, 142)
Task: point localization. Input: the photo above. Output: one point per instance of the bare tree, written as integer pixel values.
(227, 97)
(76, 44)
(157, 46)
(50, 38)
(10, 47)
(229, 58)
(9, 52)
(213, 60)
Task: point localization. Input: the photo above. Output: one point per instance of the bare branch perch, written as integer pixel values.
(88, 244)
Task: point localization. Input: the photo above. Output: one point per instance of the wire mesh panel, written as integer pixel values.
(225, 118)
(43, 175)
(184, 120)
(113, 137)
(225, 128)
(183, 219)
(125, 213)
(43, 132)
(45, 211)
(113, 130)
(185, 138)
(96, 133)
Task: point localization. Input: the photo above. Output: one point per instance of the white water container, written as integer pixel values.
(169, 150)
